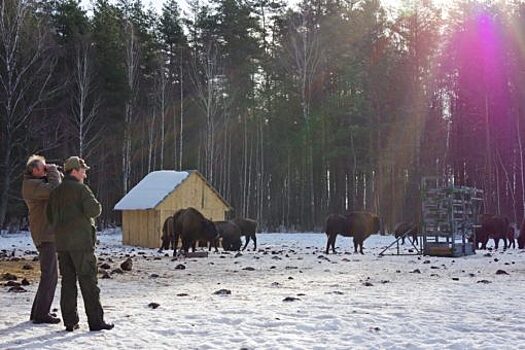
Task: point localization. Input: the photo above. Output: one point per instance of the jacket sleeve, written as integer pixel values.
(42, 190)
(54, 177)
(90, 205)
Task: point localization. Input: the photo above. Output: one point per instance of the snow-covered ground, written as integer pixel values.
(343, 301)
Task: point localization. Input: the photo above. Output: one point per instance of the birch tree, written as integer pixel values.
(161, 92)
(84, 103)
(132, 70)
(206, 75)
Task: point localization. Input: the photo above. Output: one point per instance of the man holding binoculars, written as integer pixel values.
(39, 180)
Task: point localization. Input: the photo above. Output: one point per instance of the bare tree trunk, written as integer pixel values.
(260, 174)
(84, 112)
(181, 128)
(162, 102)
(151, 140)
(511, 189)
(488, 160)
(522, 166)
(207, 94)
(132, 65)
(250, 177)
(244, 183)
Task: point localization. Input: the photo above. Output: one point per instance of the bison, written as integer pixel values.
(521, 237)
(191, 226)
(492, 226)
(230, 234)
(248, 228)
(406, 229)
(357, 224)
(168, 236)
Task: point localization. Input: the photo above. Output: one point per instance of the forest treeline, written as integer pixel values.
(291, 113)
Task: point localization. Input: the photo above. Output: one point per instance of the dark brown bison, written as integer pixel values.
(357, 224)
(248, 229)
(191, 226)
(521, 237)
(492, 226)
(168, 236)
(230, 234)
(406, 229)
(168, 232)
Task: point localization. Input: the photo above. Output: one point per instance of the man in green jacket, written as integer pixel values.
(71, 210)
(39, 180)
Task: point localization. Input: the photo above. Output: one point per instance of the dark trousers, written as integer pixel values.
(81, 266)
(47, 257)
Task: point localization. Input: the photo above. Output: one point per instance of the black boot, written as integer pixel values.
(101, 326)
(71, 328)
(47, 319)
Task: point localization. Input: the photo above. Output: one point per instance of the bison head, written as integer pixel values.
(166, 240)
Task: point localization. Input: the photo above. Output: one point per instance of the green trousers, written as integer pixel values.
(81, 266)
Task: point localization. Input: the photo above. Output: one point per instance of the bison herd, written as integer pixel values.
(360, 225)
(189, 226)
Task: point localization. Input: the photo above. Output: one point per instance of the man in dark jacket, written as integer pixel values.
(71, 210)
(39, 180)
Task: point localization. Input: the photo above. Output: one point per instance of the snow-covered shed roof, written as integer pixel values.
(152, 190)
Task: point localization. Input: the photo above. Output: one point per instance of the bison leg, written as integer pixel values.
(254, 239)
(185, 248)
(215, 244)
(356, 243)
(175, 243)
(175, 251)
(333, 242)
(247, 241)
(330, 242)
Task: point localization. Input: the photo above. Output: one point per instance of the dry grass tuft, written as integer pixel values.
(16, 268)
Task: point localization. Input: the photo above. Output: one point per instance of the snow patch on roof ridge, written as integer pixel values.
(152, 190)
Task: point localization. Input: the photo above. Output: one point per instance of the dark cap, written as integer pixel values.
(74, 162)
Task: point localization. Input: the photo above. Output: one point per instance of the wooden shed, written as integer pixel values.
(159, 195)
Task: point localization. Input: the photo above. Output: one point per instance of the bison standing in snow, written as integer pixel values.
(190, 226)
(168, 236)
(492, 226)
(230, 234)
(356, 224)
(248, 229)
(406, 229)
